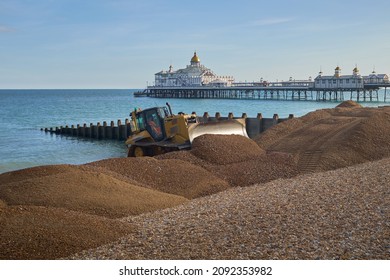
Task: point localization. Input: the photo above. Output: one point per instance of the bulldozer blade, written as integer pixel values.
(225, 127)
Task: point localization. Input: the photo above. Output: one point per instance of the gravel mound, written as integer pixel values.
(240, 163)
(263, 169)
(87, 192)
(340, 214)
(349, 104)
(185, 155)
(170, 175)
(367, 141)
(34, 172)
(225, 149)
(332, 138)
(31, 232)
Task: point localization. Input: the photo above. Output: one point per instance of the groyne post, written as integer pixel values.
(87, 131)
(105, 130)
(253, 126)
(260, 120)
(205, 117)
(275, 119)
(94, 131)
(74, 131)
(101, 132)
(78, 127)
(122, 130)
(116, 132)
(128, 128)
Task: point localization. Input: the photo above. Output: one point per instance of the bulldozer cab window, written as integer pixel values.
(140, 122)
(163, 112)
(154, 125)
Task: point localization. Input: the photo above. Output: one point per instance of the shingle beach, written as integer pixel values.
(315, 187)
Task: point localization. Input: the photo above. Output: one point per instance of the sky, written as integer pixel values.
(123, 43)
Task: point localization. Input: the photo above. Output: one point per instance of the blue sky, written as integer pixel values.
(123, 43)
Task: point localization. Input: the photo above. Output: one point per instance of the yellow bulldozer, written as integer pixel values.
(157, 130)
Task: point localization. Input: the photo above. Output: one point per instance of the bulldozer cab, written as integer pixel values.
(152, 120)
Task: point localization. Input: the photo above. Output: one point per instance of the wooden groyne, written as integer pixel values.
(120, 131)
(254, 126)
(95, 131)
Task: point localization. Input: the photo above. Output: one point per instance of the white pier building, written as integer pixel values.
(354, 81)
(193, 75)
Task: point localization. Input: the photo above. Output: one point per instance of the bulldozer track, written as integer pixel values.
(308, 161)
(310, 157)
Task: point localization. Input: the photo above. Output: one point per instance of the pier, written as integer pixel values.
(198, 81)
(293, 91)
(120, 131)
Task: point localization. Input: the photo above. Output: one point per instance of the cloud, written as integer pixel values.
(4, 29)
(269, 21)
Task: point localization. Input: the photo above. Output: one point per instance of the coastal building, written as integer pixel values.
(354, 81)
(194, 74)
(375, 78)
(336, 81)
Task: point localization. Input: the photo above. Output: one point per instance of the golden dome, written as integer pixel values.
(195, 58)
(337, 68)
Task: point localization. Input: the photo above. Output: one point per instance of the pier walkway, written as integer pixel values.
(271, 91)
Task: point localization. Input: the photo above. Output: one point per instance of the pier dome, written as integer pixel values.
(195, 59)
(194, 74)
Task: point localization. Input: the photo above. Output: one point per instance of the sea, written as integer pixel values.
(23, 113)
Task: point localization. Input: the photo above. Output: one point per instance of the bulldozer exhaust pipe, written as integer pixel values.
(169, 108)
